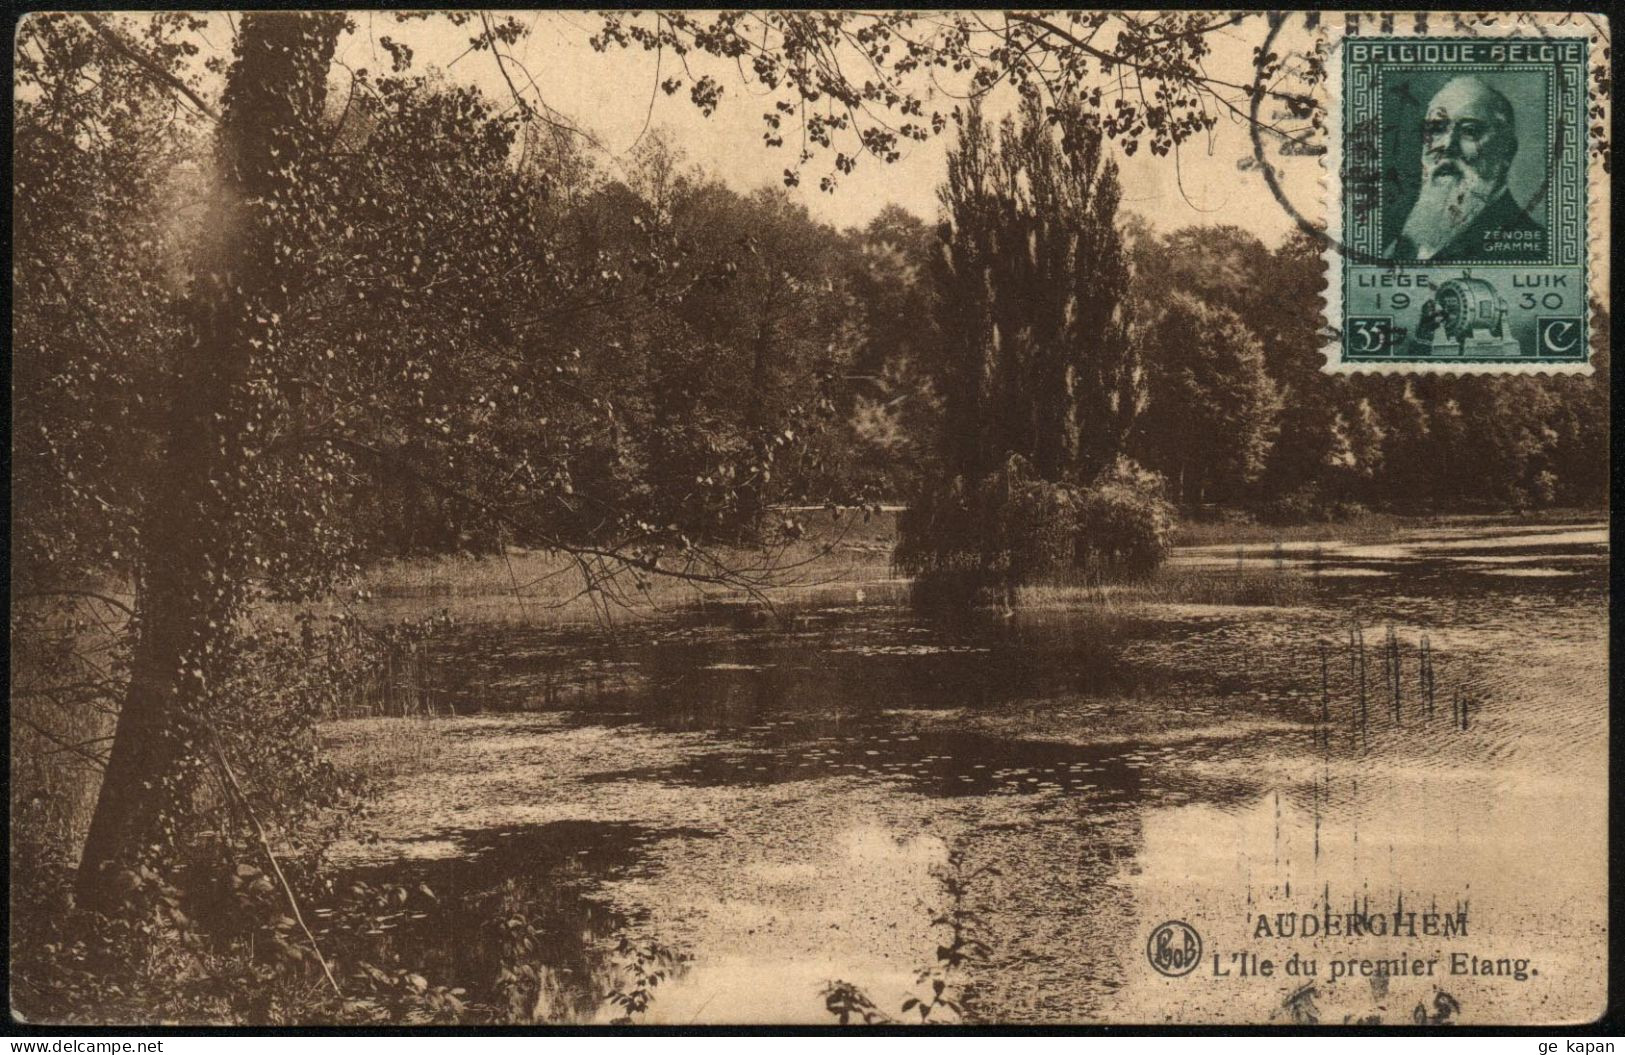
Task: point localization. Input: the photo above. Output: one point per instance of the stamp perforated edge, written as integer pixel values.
(1336, 30)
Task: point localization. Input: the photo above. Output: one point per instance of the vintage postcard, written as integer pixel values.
(774, 517)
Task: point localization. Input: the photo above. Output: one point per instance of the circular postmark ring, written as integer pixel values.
(1276, 20)
(1174, 948)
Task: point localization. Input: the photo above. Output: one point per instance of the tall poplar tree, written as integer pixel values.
(1031, 288)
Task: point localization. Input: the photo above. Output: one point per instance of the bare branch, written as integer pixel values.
(91, 594)
(265, 844)
(151, 68)
(65, 744)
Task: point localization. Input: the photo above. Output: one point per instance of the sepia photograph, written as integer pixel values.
(788, 518)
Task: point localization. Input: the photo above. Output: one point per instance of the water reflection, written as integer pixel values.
(496, 884)
(706, 673)
(772, 800)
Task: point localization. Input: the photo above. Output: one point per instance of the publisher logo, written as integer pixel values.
(1174, 948)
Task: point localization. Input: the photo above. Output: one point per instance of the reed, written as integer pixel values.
(1463, 703)
(1361, 689)
(400, 684)
(1392, 664)
(384, 748)
(1325, 683)
(1371, 527)
(1424, 674)
(1359, 652)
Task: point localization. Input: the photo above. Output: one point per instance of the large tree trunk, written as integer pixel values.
(145, 777)
(193, 543)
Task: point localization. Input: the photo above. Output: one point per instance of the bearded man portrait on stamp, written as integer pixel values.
(1464, 209)
(1462, 200)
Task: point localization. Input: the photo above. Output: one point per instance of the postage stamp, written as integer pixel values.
(1459, 203)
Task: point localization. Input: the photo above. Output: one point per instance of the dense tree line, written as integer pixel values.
(263, 339)
(266, 338)
(1240, 412)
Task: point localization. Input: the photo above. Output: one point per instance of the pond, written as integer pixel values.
(775, 805)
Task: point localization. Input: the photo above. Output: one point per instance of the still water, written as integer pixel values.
(776, 804)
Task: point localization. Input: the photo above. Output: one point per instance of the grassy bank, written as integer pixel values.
(1368, 527)
(544, 587)
(843, 560)
(1250, 587)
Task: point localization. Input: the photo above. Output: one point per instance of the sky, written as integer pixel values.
(613, 95)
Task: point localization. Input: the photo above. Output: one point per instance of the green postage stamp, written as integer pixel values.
(1460, 203)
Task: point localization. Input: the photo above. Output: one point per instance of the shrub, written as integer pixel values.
(1125, 524)
(1007, 528)
(1012, 528)
(1305, 505)
(1309, 505)
(204, 931)
(1545, 488)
